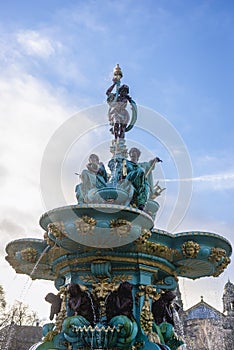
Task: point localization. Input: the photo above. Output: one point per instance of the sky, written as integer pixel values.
(56, 61)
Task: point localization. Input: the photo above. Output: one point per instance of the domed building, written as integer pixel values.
(207, 328)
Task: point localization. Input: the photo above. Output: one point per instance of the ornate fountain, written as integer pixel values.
(115, 273)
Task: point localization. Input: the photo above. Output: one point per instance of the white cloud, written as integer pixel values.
(220, 181)
(31, 114)
(34, 43)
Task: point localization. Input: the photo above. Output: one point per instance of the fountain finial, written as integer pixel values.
(117, 74)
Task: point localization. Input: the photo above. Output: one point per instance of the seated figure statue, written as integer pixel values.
(139, 175)
(82, 312)
(120, 302)
(119, 312)
(162, 308)
(81, 303)
(94, 176)
(164, 322)
(148, 167)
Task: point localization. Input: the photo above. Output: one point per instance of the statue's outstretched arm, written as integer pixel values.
(109, 90)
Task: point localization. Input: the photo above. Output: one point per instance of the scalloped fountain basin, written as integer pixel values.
(110, 194)
(98, 225)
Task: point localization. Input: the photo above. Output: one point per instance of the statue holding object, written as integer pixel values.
(144, 179)
(125, 173)
(118, 115)
(133, 179)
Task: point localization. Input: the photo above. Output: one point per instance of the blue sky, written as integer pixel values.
(57, 58)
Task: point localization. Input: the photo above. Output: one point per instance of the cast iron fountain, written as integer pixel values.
(115, 273)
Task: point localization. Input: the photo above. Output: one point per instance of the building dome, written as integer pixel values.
(229, 287)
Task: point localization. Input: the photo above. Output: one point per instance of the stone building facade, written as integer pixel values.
(14, 337)
(205, 328)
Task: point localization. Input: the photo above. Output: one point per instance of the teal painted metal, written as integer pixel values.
(106, 249)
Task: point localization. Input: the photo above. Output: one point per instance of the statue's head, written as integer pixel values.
(169, 296)
(124, 90)
(74, 290)
(125, 288)
(93, 158)
(134, 154)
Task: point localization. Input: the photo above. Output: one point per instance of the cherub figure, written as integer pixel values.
(81, 303)
(190, 249)
(120, 302)
(162, 308)
(55, 302)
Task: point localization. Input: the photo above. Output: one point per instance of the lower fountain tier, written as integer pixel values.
(156, 254)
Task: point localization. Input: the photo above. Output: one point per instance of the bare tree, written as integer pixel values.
(19, 313)
(2, 307)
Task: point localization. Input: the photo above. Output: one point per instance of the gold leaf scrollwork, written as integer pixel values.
(190, 249)
(216, 254)
(48, 239)
(85, 225)
(147, 318)
(120, 227)
(50, 336)
(145, 235)
(101, 290)
(101, 287)
(160, 250)
(220, 268)
(57, 229)
(63, 311)
(153, 248)
(29, 254)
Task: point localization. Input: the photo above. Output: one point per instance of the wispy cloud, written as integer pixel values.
(36, 44)
(218, 181)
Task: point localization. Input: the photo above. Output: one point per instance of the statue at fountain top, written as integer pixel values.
(118, 115)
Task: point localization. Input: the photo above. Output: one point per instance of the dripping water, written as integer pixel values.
(94, 318)
(26, 287)
(178, 326)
